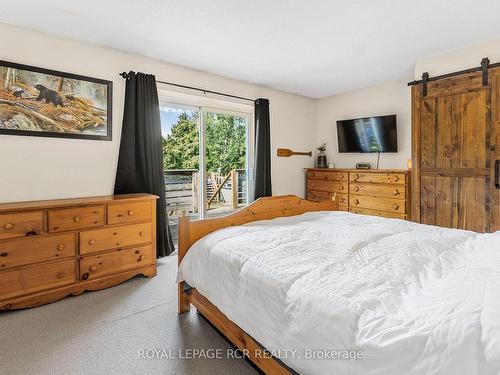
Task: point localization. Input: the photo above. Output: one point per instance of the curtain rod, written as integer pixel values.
(125, 75)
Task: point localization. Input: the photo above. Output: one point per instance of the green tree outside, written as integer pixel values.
(225, 143)
(181, 147)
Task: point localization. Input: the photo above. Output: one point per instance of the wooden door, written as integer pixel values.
(495, 147)
(453, 153)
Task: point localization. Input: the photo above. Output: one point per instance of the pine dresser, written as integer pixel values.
(370, 192)
(51, 249)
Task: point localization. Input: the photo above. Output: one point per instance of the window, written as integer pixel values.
(207, 156)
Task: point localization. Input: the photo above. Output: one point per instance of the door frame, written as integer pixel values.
(229, 107)
(249, 148)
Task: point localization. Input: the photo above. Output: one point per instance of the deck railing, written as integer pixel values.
(183, 190)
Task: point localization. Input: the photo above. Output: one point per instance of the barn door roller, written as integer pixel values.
(484, 68)
(425, 79)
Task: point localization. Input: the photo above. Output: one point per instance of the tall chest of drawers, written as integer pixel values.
(51, 249)
(370, 192)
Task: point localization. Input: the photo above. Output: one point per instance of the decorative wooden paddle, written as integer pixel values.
(285, 152)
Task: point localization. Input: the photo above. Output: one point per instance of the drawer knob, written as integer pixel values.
(395, 192)
(140, 258)
(77, 219)
(341, 176)
(85, 276)
(356, 176)
(355, 201)
(130, 213)
(92, 242)
(61, 247)
(9, 226)
(341, 187)
(60, 275)
(395, 206)
(4, 254)
(355, 188)
(141, 233)
(396, 178)
(93, 268)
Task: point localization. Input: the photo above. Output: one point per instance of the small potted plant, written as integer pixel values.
(321, 159)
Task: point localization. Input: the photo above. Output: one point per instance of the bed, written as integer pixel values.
(310, 284)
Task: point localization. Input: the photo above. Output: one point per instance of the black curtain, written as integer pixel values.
(262, 167)
(140, 162)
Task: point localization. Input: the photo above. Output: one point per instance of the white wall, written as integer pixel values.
(45, 168)
(388, 98)
(384, 99)
(464, 58)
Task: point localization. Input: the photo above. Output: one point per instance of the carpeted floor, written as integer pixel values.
(104, 332)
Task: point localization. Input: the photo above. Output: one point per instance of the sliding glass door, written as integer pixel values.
(180, 126)
(207, 161)
(226, 160)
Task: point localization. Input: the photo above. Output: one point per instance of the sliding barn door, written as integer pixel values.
(495, 149)
(453, 151)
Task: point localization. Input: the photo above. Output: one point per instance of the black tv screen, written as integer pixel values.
(370, 134)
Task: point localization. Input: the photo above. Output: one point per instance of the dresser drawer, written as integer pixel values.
(97, 266)
(328, 175)
(76, 218)
(21, 224)
(36, 249)
(380, 178)
(395, 191)
(116, 237)
(35, 279)
(49, 276)
(11, 284)
(331, 186)
(364, 211)
(343, 199)
(377, 203)
(319, 196)
(129, 212)
(343, 207)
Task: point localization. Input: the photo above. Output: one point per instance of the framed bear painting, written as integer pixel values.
(41, 102)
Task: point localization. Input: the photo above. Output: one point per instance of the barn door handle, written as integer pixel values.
(497, 174)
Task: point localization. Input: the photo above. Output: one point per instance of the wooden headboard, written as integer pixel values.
(261, 209)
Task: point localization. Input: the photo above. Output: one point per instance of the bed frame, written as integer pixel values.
(190, 232)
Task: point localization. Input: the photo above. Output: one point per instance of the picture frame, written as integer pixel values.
(41, 102)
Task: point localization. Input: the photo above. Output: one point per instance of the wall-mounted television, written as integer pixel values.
(369, 134)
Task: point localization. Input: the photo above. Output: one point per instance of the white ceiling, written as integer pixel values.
(315, 48)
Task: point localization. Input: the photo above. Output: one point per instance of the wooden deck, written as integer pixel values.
(183, 189)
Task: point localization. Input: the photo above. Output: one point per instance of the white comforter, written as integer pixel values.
(415, 299)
